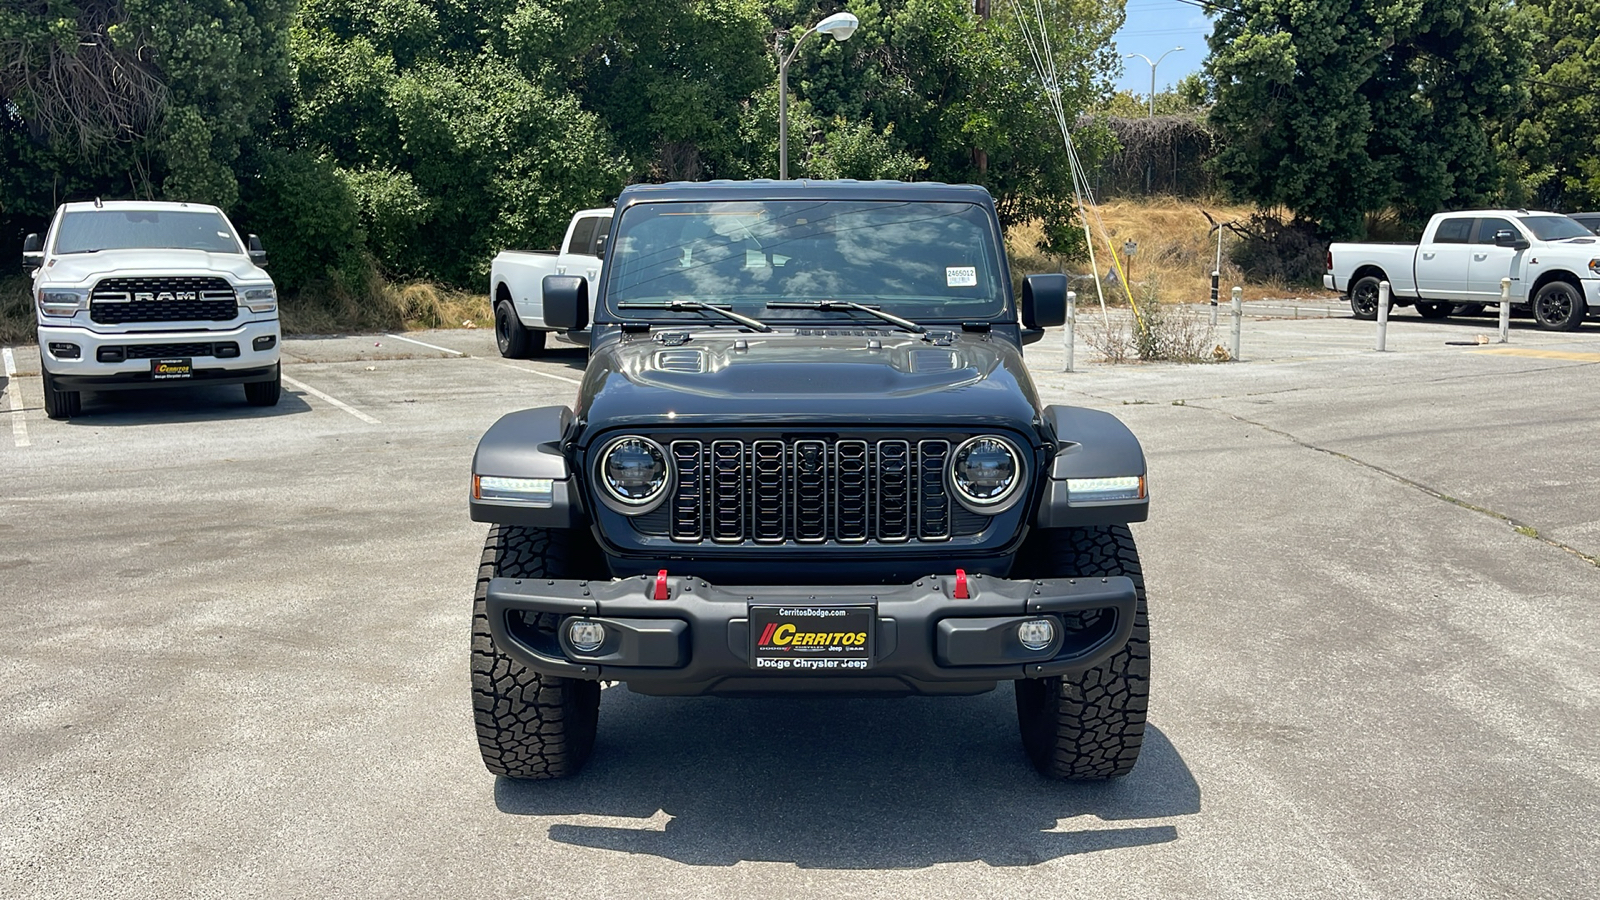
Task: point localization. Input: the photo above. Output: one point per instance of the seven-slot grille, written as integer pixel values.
(812, 491)
(115, 301)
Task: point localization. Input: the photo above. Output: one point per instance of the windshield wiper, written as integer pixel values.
(891, 318)
(723, 311)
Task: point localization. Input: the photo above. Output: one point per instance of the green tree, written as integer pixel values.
(1335, 109)
(1555, 137)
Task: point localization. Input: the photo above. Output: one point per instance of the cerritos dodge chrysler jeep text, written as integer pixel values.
(134, 294)
(807, 457)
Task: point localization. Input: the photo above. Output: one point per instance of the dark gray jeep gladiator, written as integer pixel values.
(807, 458)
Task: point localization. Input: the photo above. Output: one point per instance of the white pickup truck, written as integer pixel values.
(133, 294)
(1553, 263)
(516, 282)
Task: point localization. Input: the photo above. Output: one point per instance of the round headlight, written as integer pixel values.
(633, 475)
(985, 472)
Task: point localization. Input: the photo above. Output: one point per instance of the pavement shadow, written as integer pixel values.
(217, 403)
(845, 784)
(573, 357)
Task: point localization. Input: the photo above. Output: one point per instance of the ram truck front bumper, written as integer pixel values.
(81, 359)
(681, 635)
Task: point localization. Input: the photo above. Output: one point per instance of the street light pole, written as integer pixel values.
(840, 26)
(1149, 168)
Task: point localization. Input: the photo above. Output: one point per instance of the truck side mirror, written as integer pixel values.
(258, 253)
(566, 302)
(600, 244)
(32, 251)
(1044, 301)
(1508, 238)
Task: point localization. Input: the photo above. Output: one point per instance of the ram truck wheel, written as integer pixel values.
(265, 393)
(530, 726)
(58, 404)
(1364, 298)
(510, 336)
(1089, 726)
(1558, 307)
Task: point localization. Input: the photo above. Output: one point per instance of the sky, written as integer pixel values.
(1153, 27)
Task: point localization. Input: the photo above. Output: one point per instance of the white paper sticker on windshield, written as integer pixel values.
(961, 276)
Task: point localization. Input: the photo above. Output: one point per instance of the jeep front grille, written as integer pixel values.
(810, 491)
(118, 301)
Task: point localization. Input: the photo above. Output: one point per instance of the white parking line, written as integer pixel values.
(329, 400)
(536, 372)
(19, 422)
(424, 344)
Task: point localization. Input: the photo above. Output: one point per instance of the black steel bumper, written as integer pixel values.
(924, 641)
(123, 381)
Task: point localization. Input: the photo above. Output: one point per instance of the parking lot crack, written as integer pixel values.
(1522, 528)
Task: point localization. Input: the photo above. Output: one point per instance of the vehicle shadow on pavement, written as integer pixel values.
(199, 404)
(844, 784)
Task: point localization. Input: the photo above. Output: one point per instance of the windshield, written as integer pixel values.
(917, 260)
(114, 229)
(1555, 228)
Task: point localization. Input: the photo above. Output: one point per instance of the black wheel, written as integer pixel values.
(1364, 298)
(1467, 309)
(265, 393)
(58, 404)
(1089, 726)
(509, 334)
(1435, 310)
(530, 726)
(1558, 307)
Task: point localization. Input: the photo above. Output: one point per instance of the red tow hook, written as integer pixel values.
(960, 592)
(661, 585)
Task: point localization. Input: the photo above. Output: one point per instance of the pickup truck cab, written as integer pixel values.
(516, 282)
(807, 458)
(1553, 263)
(134, 294)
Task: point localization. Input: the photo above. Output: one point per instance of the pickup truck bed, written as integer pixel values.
(516, 282)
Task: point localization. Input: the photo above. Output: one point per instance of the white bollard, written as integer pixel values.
(1072, 326)
(1383, 316)
(1505, 310)
(1238, 317)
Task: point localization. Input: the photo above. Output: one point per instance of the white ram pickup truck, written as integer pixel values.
(516, 282)
(1553, 263)
(133, 294)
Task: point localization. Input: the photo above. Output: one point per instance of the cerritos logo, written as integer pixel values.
(787, 635)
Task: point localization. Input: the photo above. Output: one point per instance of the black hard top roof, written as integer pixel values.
(799, 189)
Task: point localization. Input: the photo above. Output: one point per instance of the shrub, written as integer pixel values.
(1269, 249)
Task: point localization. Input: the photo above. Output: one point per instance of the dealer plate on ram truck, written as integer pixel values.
(811, 638)
(171, 369)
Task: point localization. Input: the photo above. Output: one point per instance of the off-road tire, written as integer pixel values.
(1364, 298)
(1558, 307)
(1089, 726)
(58, 404)
(265, 393)
(530, 726)
(1435, 310)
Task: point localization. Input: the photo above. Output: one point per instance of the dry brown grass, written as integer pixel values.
(383, 306)
(1176, 249)
(16, 312)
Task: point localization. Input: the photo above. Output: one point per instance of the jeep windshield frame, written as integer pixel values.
(927, 260)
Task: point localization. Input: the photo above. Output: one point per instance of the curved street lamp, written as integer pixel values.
(840, 26)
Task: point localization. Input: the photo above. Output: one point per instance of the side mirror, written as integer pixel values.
(258, 253)
(32, 251)
(1507, 238)
(566, 302)
(1044, 301)
(600, 244)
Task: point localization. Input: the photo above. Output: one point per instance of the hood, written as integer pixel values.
(809, 375)
(86, 268)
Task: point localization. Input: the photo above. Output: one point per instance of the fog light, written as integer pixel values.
(264, 342)
(63, 350)
(586, 636)
(1036, 634)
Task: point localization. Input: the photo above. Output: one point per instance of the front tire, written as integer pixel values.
(1089, 726)
(530, 726)
(60, 405)
(265, 393)
(1364, 298)
(1558, 307)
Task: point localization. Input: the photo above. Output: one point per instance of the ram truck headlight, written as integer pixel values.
(62, 301)
(985, 472)
(529, 491)
(260, 299)
(633, 475)
(1087, 491)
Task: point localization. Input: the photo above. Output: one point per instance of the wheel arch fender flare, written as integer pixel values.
(1552, 275)
(528, 444)
(1090, 443)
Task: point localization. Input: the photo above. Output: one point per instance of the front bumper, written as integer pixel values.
(924, 640)
(86, 372)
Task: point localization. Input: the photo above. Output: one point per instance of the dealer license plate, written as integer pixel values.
(171, 369)
(811, 638)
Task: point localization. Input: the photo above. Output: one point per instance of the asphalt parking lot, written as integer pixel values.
(234, 660)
